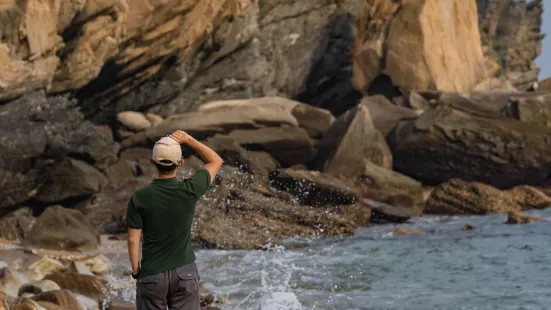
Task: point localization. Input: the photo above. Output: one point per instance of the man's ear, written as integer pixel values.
(181, 162)
(152, 161)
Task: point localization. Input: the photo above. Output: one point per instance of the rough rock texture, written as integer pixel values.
(63, 229)
(36, 135)
(71, 178)
(511, 33)
(352, 139)
(461, 197)
(521, 218)
(17, 225)
(442, 50)
(64, 45)
(533, 109)
(446, 143)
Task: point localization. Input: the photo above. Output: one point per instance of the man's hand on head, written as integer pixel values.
(180, 136)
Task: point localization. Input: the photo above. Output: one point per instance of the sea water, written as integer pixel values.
(493, 266)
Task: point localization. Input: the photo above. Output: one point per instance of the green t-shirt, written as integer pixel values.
(164, 211)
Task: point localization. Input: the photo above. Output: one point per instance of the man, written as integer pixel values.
(163, 213)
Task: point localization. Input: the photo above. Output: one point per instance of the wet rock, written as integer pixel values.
(260, 164)
(250, 220)
(87, 303)
(63, 229)
(71, 179)
(461, 197)
(38, 287)
(401, 231)
(289, 145)
(516, 217)
(205, 295)
(351, 140)
(18, 258)
(383, 213)
(16, 225)
(316, 188)
(63, 298)
(86, 285)
(446, 143)
(133, 120)
(467, 227)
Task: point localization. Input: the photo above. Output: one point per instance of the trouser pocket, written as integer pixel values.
(148, 287)
(188, 281)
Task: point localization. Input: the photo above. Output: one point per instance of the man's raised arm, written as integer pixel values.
(213, 161)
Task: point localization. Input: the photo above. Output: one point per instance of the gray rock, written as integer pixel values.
(60, 228)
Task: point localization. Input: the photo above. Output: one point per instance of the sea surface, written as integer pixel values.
(492, 266)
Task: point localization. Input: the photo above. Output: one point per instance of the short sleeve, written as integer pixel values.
(199, 183)
(133, 216)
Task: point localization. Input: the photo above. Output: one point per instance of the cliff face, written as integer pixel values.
(511, 33)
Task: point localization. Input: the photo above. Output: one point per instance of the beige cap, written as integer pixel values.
(167, 152)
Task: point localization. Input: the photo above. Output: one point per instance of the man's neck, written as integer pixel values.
(166, 176)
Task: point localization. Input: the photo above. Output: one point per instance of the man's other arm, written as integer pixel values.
(134, 223)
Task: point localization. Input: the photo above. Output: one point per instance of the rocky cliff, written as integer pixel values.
(332, 113)
(511, 33)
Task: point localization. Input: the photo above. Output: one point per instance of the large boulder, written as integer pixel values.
(289, 145)
(37, 134)
(60, 228)
(314, 120)
(424, 60)
(17, 225)
(446, 143)
(461, 197)
(71, 178)
(202, 124)
(352, 140)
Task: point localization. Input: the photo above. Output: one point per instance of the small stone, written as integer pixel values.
(98, 264)
(467, 227)
(400, 231)
(134, 120)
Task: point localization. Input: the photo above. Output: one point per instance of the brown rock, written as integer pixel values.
(86, 285)
(16, 225)
(120, 305)
(133, 120)
(3, 301)
(446, 143)
(314, 120)
(460, 197)
(425, 61)
(516, 217)
(251, 220)
(63, 229)
(10, 281)
(71, 178)
(26, 304)
(38, 287)
(351, 140)
(154, 119)
(494, 83)
(533, 109)
(102, 26)
(63, 298)
(385, 115)
(545, 85)
(289, 145)
(202, 124)
(401, 231)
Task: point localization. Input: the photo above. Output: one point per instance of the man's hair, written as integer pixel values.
(166, 169)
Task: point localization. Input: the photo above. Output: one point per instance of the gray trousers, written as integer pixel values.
(176, 289)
